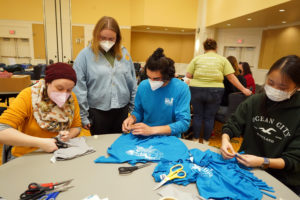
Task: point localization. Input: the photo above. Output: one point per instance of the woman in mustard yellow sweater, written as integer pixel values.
(41, 112)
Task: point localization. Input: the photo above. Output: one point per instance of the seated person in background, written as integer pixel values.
(41, 112)
(246, 72)
(270, 125)
(162, 102)
(229, 87)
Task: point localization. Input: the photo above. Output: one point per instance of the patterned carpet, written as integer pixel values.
(216, 139)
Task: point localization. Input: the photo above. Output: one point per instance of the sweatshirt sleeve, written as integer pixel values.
(182, 112)
(80, 66)
(291, 155)
(235, 125)
(19, 110)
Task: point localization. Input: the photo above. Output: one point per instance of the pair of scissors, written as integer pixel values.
(175, 172)
(60, 144)
(36, 191)
(128, 170)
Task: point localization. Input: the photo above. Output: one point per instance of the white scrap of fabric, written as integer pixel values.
(171, 191)
(77, 147)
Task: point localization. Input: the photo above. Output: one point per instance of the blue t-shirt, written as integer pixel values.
(133, 149)
(215, 177)
(168, 105)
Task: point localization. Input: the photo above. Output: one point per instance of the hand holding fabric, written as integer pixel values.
(226, 147)
(141, 129)
(127, 124)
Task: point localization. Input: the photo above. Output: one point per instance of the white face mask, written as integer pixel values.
(155, 84)
(106, 45)
(277, 95)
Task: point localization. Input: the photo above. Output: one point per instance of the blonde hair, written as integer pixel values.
(111, 24)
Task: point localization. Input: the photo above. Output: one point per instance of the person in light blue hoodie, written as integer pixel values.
(162, 103)
(106, 81)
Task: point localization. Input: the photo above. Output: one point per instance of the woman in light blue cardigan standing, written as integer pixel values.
(106, 82)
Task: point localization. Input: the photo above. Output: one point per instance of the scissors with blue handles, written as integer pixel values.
(50, 196)
(54, 194)
(175, 172)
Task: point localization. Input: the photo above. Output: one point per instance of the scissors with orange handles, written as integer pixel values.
(175, 172)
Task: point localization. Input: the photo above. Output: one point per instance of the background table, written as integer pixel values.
(102, 179)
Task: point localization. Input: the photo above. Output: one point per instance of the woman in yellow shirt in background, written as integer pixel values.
(41, 112)
(207, 72)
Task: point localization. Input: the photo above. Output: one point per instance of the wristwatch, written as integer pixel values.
(266, 163)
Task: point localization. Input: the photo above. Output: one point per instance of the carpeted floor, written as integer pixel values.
(216, 139)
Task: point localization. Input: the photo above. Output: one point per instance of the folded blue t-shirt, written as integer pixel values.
(136, 148)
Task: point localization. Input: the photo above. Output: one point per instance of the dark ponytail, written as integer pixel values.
(159, 62)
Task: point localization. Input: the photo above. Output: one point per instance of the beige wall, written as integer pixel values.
(90, 11)
(171, 13)
(222, 10)
(178, 47)
(277, 43)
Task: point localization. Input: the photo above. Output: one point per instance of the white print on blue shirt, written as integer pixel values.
(202, 171)
(147, 153)
(169, 101)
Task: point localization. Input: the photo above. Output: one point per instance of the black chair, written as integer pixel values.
(137, 67)
(6, 153)
(2, 109)
(2, 65)
(43, 70)
(37, 70)
(234, 100)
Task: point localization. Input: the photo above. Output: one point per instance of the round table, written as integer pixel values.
(102, 179)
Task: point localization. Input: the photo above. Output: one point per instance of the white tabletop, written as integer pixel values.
(102, 179)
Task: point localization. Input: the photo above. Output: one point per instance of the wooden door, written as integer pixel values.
(77, 40)
(39, 41)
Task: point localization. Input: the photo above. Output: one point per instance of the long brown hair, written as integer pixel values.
(234, 64)
(107, 23)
